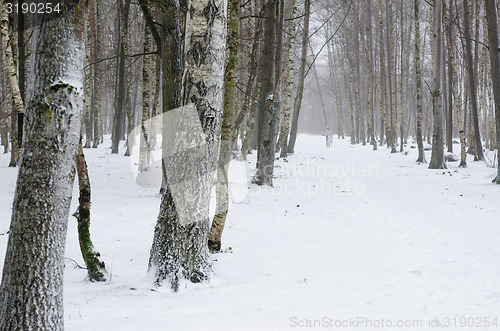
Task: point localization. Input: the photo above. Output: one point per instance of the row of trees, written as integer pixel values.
(429, 72)
(218, 73)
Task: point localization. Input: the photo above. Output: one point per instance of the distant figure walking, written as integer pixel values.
(329, 137)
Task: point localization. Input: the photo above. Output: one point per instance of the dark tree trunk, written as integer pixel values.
(269, 119)
(472, 83)
(437, 156)
(494, 49)
(118, 129)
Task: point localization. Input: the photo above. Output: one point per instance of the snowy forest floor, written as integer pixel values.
(346, 232)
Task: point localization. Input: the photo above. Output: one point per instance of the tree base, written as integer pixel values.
(179, 251)
(214, 246)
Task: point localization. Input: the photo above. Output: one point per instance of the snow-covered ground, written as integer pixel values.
(346, 234)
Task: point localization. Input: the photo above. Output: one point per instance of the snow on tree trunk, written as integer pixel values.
(31, 291)
(191, 145)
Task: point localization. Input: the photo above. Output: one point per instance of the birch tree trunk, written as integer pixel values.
(180, 249)
(145, 138)
(437, 156)
(31, 296)
(18, 106)
(222, 187)
(288, 82)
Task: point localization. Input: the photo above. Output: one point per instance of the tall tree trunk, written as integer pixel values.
(288, 82)
(383, 81)
(124, 6)
(5, 111)
(437, 156)
(31, 294)
(391, 76)
(454, 84)
(88, 82)
(21, 49)
(222, 188)
(129, 106)
(269, 119)
(402, 106)
(372, 81)
(145, 138)
(302, 71)
(472, 83)
(494, 50)
(180, 249)
(98, 113)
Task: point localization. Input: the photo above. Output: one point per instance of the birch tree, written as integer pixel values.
(288, 82)
(180, 249)
(31, 291)
(18, 106)
(222, 187)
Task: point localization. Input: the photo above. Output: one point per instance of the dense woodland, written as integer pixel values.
(256, 73)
